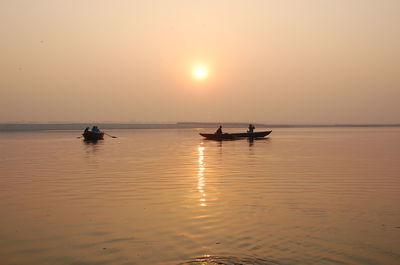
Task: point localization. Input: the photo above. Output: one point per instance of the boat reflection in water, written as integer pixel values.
(252, 140)
(229, 260)
(92, 147)
(200, 176)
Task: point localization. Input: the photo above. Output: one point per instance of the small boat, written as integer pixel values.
(93, 136)
(233, 136)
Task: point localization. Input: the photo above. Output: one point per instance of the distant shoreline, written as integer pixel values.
(15, 127)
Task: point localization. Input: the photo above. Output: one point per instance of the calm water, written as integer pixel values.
(303, 196)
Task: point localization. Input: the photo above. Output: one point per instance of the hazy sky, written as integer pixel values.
(268, 61)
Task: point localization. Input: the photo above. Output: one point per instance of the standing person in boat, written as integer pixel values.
(219, 130)
(251, 128)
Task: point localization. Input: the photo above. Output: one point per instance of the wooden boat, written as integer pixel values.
(233, 136)
(93, 136)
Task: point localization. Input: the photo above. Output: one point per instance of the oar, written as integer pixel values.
(110, 135)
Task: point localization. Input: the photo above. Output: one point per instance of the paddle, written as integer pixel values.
(110, 135)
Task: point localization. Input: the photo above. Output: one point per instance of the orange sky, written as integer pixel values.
(267, 61)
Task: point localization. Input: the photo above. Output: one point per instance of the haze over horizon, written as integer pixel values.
(286, 62)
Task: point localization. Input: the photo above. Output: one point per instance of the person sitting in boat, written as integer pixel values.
(95, 129)
(86, 130)
(219, 130)
(251, 128)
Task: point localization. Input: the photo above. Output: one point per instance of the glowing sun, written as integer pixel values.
(200, 72)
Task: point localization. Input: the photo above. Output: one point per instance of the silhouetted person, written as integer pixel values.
(219, 131)
(86, 130)
(95, 129)
(251, 128)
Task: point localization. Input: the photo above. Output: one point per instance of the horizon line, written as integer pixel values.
(15, 127)
(194, 123)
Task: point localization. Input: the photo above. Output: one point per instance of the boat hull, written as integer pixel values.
(252, 135)
(93, 136)
(233, 136)
(218, 137)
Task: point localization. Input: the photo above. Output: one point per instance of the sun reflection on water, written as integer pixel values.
(200, 176)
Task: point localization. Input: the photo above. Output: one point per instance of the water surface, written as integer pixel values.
(302, 196)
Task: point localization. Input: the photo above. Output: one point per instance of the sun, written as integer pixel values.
(200, 72)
